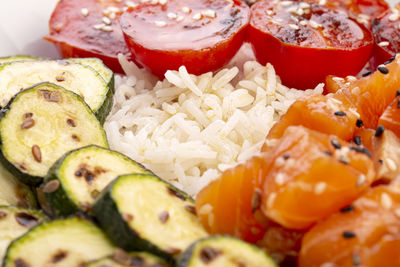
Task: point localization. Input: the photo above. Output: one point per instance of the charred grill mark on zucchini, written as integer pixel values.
(15, 222)
(80, 176)
(48, 105)
(120, 212)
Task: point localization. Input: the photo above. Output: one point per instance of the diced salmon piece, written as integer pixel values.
(390, 118)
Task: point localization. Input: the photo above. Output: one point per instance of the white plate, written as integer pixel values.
(23, 23)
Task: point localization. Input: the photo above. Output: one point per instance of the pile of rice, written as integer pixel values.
(187, 129)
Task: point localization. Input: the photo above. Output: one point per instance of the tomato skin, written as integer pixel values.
(75, 36)
(376, 224)
(384, 29)
(305, 66)
(199, 55)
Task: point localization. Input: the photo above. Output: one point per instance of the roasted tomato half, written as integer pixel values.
(202, 35)
(306, 41)
(89, 28)
(386, 32)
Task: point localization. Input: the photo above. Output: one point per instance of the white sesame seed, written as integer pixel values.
(386, 201)
(304, 5)
(294, 18)
(84, 12)
(209, 13)
(114, 9)
(172, 15)
(271, 200)
(186, 10)
(205, 209)
(336, 79)
(131, 4)
(269, 12)
(292, 10)
(98, 26)
(154, 2)
(160, 23)
(362, 21)
(286, 3)
(58, 26)
(112, 15)
(316, 25)
(180, 18)
(364, 16)
(107, 29)
(393, 17)
(144, 1)
(361, 179)
(351, 78)
(322, 2)
(337, 101)
(391, 164)
(294, 26)
(303, 22)
(320, 188)
(279, 162)
(280, 179)
(106, 21)
(383, 43)
(197, 16)
(300, 11)
(162, 2)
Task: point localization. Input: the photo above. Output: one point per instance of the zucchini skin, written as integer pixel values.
(59, 201)
(102, 113)
(22, 176)
(118, 230)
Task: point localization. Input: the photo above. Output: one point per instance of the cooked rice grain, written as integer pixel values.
(188, 129)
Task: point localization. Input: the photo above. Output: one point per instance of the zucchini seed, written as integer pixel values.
(163, 216)
(191, 209)
(28, 123)
(21, 263)
(51, 186)
(3, 214)
(26, 219)
(37, 153)
(59, 256)
(127, 217)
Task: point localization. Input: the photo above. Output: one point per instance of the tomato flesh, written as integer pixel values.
(367, 234)
(202, 35)
(385, 30)
(305, 48)
(89, 28)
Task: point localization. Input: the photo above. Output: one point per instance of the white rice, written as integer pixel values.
(187, 129)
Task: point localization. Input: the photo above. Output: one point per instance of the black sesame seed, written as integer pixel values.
(398, 103)
(379, 131)
(366, 74)
(286, 156)
(327, 152)
(348, 234)
(336, 144)
(366, 152)
(398, 93)
(359, 123)
(340, 113)
(357, 149)
(357, 140)
(392, 58)
(380, 161)
(383, 70)
(347, 209)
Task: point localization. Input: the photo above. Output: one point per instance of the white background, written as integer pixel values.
(23, 23)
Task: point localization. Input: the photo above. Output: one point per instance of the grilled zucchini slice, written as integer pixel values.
(17, 58)
(82, 174)
(123, 259)
(13, 192)
(68, 242)
(142, 212)
(40, 125)
(81, 79)
(15, 222)
(98, 65)
(224, 251)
